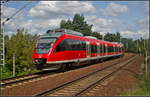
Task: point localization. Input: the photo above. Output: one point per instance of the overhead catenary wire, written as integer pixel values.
(6, 20)
(4, 1)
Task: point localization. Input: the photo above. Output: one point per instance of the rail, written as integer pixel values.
(57, 91)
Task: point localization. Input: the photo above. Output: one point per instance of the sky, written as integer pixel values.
(130, 18)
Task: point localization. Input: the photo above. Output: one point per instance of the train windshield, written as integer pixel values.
(44, 44)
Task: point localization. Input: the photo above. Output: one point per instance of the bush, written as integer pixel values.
(142, 89)
(5, 73)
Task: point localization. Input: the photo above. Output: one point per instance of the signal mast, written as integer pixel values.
(2, 48)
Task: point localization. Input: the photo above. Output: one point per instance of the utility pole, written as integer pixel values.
(137, 46)
(103, 37)
(2, 43)
(120, 39)
(146, 62)
(126, 46)
(146, 55)
(14, 64)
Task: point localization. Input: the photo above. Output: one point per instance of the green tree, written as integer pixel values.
(118, 37)
(97, 35)
(20, 44)
(110, 37)
(78, 24)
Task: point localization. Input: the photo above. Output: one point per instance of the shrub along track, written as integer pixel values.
(8, 82)
(50, 82)
(78, 86)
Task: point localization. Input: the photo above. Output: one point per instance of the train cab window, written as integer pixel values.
(44, 44)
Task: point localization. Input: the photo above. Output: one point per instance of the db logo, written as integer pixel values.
(40, 56)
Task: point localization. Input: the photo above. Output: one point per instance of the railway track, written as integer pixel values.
(79, 86)
(19, 79)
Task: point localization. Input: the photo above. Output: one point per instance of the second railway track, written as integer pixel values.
(78, 86)
(19, 79)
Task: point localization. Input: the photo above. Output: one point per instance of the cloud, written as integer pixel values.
(14, 22)
(33, 26)
(48, 14)
(144, 23)
(7, 12)
(135, 35)
(146, 7)
(57, 9)
(114, 9)
(102, 25)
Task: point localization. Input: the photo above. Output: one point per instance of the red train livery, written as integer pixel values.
(61, 48)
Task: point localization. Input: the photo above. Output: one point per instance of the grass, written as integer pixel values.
(142, 89)
(6, 73)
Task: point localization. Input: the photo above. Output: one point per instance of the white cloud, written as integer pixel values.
(57, 9)
(144, 24)
(33, 26)
(114, 9)
(102, 25)
(51, 15)
(146, 8)
(7, 12)
(135, 35)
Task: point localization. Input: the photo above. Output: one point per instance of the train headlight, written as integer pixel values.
(36, 60)
(40, 61)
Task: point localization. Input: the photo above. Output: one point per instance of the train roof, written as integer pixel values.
(59, 32)
(76, 35)
(92, 40)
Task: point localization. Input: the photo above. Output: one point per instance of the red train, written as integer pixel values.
(61, 48)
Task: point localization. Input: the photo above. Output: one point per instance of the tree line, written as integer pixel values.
(79, 24)
(22, 43)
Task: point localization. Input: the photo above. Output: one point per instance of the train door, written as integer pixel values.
(103, 49)
(98, 49)
(114, 49)
(88, 49)
(106, 49)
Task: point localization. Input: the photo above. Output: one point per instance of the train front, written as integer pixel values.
(42, 51)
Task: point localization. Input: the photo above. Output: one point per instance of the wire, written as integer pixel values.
(16, 12)
(4, 1)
